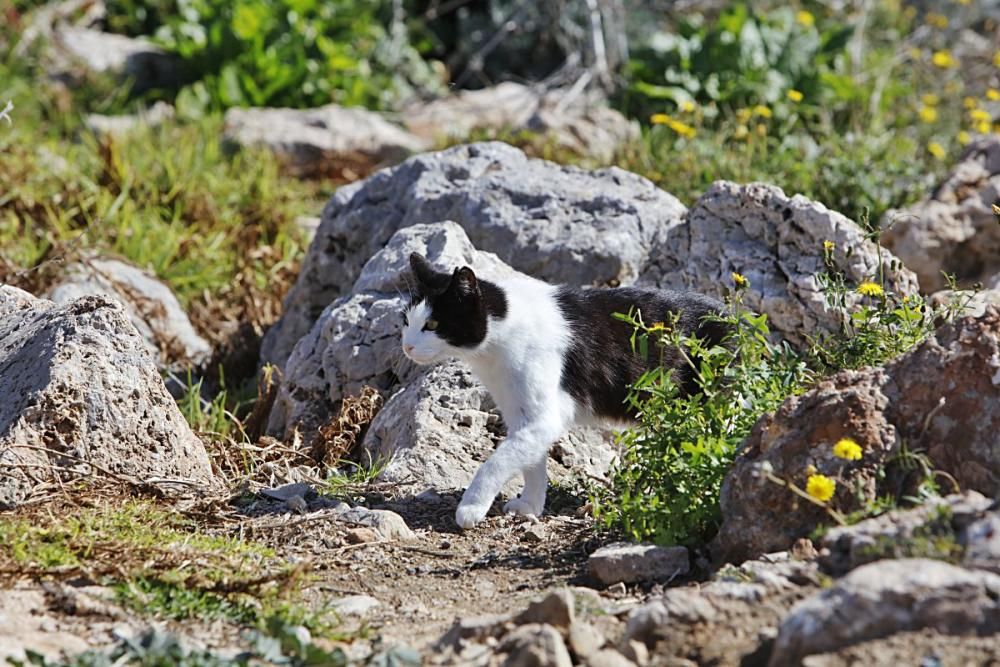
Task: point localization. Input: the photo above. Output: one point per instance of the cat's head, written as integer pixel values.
(448, 314)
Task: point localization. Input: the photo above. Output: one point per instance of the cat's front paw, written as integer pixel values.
(523, 507)
(468, 515)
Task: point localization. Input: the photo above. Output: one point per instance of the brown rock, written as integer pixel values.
(555, 609)
(361, 535)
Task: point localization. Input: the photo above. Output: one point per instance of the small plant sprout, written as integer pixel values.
(5, 112)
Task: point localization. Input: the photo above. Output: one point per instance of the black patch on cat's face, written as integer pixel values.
(600, 364)
(460, 303)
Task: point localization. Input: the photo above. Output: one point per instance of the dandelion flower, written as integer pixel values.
(970, 102)
(996, 59)
(687, 106)
(820, 487)
(743, 115)
(762, 111)
(979, 115)
(928, 114)
(795, 95)
(847, 449)
(936, 149)
(992, 94)
(944, 59)
(828, 246)
(963, 137)
(657, 326)
(659, 119)
(869, 288)
(739, 280)
(930, 99)
(805, 18)
(983, 127)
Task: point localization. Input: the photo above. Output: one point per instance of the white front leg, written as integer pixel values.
(525, 450)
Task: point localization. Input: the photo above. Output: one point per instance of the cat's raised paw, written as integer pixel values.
(522, 507)
(467, 516)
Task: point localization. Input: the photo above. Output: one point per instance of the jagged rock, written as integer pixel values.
(776, 242)
(955, 230)
(151, 306)
(887, 597)
(535, 645)
(438, 427)
(629, 563)
(323, 141)
(115, 126)
(560, 224)
(77, 385)
(943, 398)
(932, 530)
(579, 123)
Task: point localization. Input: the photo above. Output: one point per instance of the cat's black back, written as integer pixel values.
(600, 364)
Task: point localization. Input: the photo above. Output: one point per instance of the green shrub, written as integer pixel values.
(298, 53)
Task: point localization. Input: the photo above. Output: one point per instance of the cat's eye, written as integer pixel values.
(430, 325)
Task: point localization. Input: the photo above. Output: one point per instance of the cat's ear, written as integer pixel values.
(431, 280)
(464, 282)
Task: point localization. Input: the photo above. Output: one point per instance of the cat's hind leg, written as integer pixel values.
(525, 450)
(531, 501)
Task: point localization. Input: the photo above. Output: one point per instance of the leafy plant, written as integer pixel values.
(666, 487)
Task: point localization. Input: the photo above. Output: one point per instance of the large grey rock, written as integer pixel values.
(577, 122)
(323, 141)
(77, 385)
(955, 230)
(776, 241)
(135, 59)
(151, 306)
(560, 224)
(943, 398)
(890, 596)
(629, 563)
(935, 529)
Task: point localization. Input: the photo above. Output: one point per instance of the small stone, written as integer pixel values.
(555, 609)
(609, 658)
(584, 639)
(355, 605)
(287, 491)
(389, 525)
(535, 645)
(534, 534)
(361, 535)
(630, 563)
(617, 590)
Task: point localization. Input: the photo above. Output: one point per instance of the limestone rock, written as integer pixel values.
(886, 597)
(555, 609)
(151, 306)
(323, 141)
(117, 126)
(934, 529)
(776, 242)
(77, 385)
(135, 59)
(579, 123)
(560, 224)
(941, 398)
(629, 563)
(389, 525)
(955, 229)
(535, 645)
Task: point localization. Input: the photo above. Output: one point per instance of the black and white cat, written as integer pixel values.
(550, 356)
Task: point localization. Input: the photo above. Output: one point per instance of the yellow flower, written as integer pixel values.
(869, 288)
(687, 106)
(805, 18)
(811, 469)
(820, 487)
(743, 115)
(742, 132)
(983, 127)
(944, 59)
(657, 326)
(739, 280)
(993, 94)
(795, 95)
(996, 59)
(928, 114)
(963, 137)
(659, 119)
(762, 111)
(683, 129)
(847, 449)
(930, 99)
(970, 102)
(936, 149)
(979, 115)
(761, 130)
(915, 53)
(936, 20)
(828, 246)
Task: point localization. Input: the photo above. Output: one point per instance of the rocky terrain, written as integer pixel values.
(82, 401)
